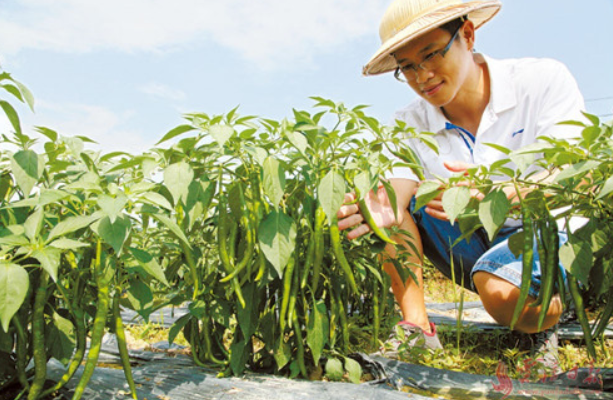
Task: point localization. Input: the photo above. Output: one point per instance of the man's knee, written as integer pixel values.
(499, 298)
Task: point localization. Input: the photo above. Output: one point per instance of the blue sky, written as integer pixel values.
(124, 71)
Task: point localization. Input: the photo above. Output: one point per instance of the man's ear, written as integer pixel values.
(468, 34)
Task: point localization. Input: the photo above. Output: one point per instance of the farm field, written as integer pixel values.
(232, 220)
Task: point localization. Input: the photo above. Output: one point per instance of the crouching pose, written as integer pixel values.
(467, 100)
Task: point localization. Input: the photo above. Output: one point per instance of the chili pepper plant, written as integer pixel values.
(236, 219)
(566, 185)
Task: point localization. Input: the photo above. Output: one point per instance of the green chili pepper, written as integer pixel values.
(249, 248)
(225, 249)
(371, 222)
(98, 327)
(77, 358)
(293, 296)
(288, 274)
(122, 346)
(408, 156)
(261, 266)
(375, 311)
(21, 353)
(550, 243)
(38, 338)
(527, 260)
(573, 286)
(605, 316)
(344, 322)
(335, 240)
(299, 347)
(308, 259)
(319, 241)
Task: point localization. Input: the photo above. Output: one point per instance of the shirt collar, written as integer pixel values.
(502, 93)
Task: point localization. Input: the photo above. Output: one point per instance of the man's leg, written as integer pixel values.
(410, 294)
(497, 279)
(499, 298)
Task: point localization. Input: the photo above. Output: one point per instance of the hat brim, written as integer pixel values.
(479, 12)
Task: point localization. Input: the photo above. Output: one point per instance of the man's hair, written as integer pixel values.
(453, 25)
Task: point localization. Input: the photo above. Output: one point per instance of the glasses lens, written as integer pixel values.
(433, 62)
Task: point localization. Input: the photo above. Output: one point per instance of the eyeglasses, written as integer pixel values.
(432, 61)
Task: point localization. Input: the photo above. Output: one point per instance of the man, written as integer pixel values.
(467, 100)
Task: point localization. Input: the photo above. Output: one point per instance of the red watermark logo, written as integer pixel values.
(507, 386)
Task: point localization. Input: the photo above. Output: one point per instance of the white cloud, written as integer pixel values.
(97, 123)
(163, 91)
(266, 32)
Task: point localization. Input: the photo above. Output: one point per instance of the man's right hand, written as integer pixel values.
(380, 208)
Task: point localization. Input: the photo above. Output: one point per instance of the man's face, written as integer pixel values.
(441, 77)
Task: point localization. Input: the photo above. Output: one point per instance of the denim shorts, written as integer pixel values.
(476, 254)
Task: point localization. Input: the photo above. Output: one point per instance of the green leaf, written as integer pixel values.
(25, 92)
(354, 370)
(49, 259)
(12, 115)
(177, 178)
(427, 191)
(580, 168)
(282, 353)
(498, 147)
(593, 118)
(71, 224)
(239, 355)
(391, 195)
(149, 264)
(140, 298)
(247, 316)
(114, 233)
(334, 369)
(176, 132)
(298, 140)
(68, 244)
(522, 161)
(27, 168)
(277, 236)
(273, 182)
(34, 224)
(14, 284)
(157, 200)
(50, 196)
(221, 133)
(177, 327)
(364, 183)
(112, 207)
(493, 211)
(455, 201)
(516, 243)
(5, 184)
(50, 133)
(14, 240)
(331, 191)
(61, 339)
(172, 226)
(606, 188)
(258, 153)
(577, 257)
(317, 330)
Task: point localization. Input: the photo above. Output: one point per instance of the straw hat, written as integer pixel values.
(405, 20)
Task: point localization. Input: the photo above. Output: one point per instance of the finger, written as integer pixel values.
(477, 194)
(435, 204)
(359, 231)
(349, 198)
(347, 210)
(457, 166)
(438, 214)
(350, 221)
